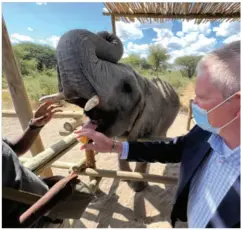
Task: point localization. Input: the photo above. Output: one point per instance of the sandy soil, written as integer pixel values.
(119, 207)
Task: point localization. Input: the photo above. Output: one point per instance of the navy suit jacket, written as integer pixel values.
(191, 150)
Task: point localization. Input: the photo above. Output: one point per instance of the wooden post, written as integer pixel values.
(64, 114)
(113, 24)
(90, 163)
(17, 91)
(90, 158)
(124, 175)
(71, 124)
(189, 114)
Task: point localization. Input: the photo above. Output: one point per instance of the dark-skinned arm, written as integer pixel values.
(23, 143)
(42, 116)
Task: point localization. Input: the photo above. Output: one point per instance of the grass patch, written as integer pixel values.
(38, 86)
(44, 83)
(183, 85)
(175, 78)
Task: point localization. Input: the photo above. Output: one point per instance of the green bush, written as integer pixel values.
(175, 78)
(4, 82)
(40, 85)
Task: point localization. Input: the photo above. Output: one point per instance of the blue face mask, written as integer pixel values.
(201, 117)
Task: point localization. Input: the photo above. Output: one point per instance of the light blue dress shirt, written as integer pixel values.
(211, 182)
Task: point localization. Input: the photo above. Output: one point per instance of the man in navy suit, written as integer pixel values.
(208, 192)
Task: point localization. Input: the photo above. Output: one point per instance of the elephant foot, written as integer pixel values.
(137, 186)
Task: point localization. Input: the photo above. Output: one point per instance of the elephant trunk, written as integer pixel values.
(83, 59)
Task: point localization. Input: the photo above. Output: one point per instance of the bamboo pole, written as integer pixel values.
(124, 175)
(17, 91)
(56, 164)
(71, 124)
(176, 16)
(113, 24)
(94, 184)
(63, 132)
(51, 154)
(79, 166)
(64, 114)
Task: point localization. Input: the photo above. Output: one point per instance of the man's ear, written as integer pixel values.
(237, 95)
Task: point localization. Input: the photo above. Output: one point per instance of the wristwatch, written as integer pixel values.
(114, 142)
(31, 126)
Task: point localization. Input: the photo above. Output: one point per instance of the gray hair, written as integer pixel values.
(223, 67)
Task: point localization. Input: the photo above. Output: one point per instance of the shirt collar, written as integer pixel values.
(218, 145)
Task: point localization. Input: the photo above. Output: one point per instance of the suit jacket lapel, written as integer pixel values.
(187, 172)
(192, 163)
(231, 202)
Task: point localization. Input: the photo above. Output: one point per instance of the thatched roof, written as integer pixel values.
(160, 12)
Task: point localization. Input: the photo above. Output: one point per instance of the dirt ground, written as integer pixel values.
(119, 207)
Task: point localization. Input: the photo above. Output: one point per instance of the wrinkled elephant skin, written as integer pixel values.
(129, 104)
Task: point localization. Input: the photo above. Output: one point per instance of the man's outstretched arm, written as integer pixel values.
(42, 116)
(158, 151)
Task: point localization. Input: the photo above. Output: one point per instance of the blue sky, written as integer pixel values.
(44, 23)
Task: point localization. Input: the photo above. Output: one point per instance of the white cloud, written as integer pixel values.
(199, 47)
(43, 41)
(203, 44)
(41, 3)
(192, 43)
(30, 29)
(179, 44)
(142, 49)
(191, 40)
(133, 48)
(226, 29)
(232, 38)
(190, 26)
(14, 40)
(128, 31)
(125, 55)
(21, 38)
(105, 10)
(166, 39)
(53, 40)
(133, 30)
(180, 34)
(163, 33)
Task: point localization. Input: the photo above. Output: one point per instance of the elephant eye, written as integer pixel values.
(126, 88)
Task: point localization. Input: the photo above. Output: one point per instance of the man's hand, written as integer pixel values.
(101, 143)
(44, 113)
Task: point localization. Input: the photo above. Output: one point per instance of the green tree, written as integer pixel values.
(158, 57)
(188, 65)
(32, 56)
(145, 64)
(133, 60)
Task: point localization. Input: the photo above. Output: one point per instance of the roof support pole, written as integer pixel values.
(113, 24)
(17, 91)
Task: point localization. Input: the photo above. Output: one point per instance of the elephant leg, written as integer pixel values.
(138, 186)
(124, 165)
